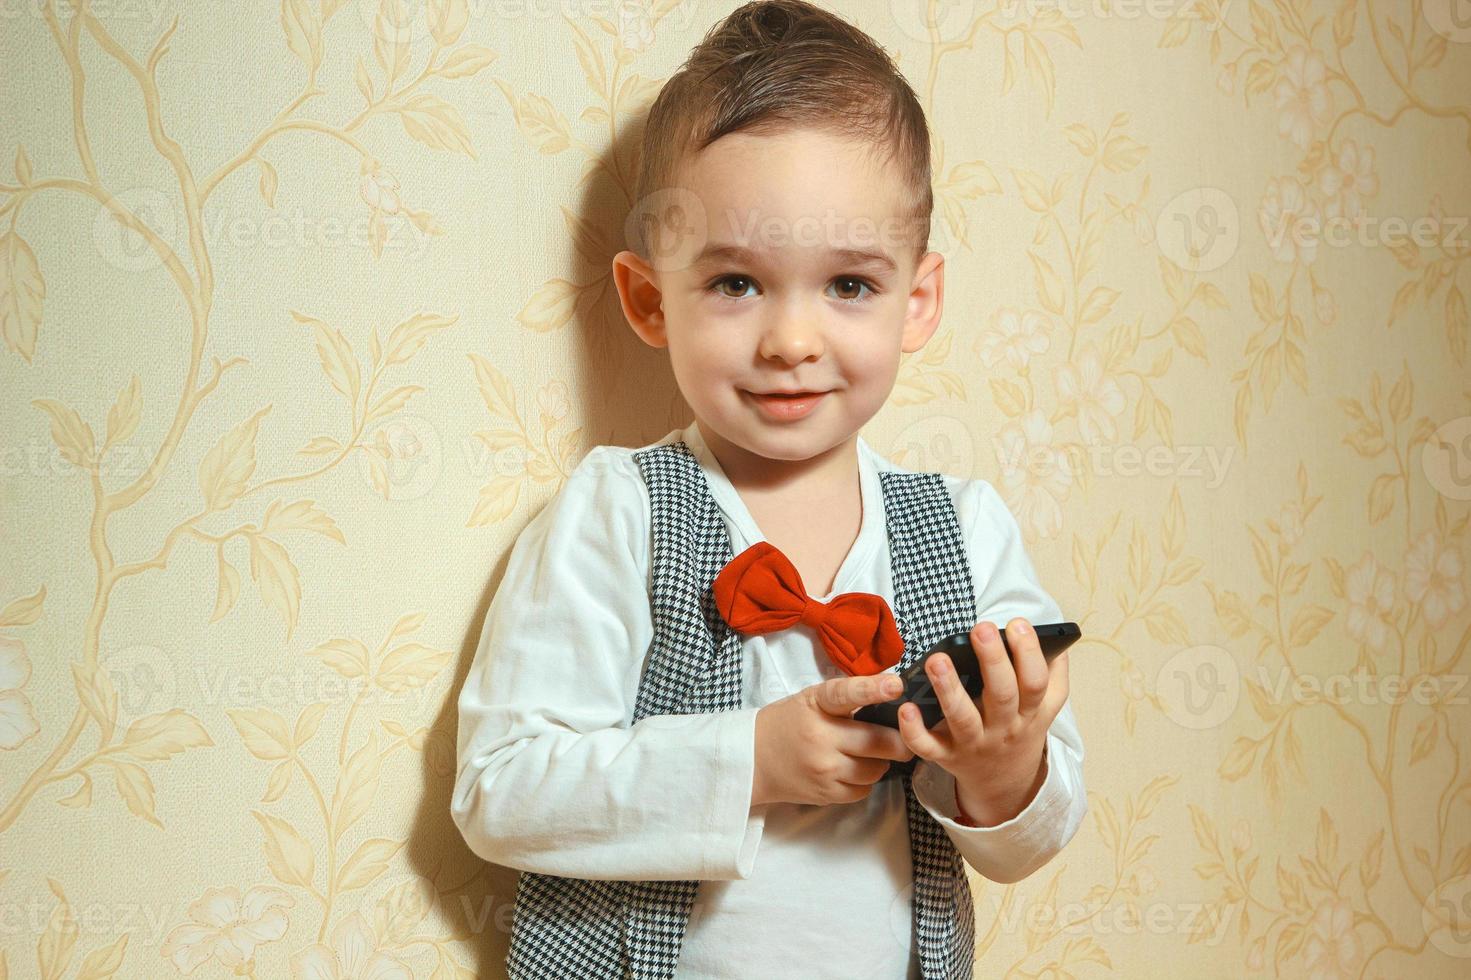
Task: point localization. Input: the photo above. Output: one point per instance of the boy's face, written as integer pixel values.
(765, 292)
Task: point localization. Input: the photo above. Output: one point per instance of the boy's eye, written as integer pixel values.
(854, 282)
(715, 286)
(844, 284)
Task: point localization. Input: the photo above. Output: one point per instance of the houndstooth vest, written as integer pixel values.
(610, 930)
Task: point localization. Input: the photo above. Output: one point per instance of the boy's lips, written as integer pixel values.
(791, 391)
(788, 394)
(787, 406)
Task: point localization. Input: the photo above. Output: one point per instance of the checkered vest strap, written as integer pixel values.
(612, 930)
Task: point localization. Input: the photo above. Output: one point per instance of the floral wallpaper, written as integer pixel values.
(306, 310)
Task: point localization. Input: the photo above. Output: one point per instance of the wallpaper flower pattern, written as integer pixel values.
(306, 310)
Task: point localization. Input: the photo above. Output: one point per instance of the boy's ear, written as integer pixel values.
(639, 294)
(926, 300)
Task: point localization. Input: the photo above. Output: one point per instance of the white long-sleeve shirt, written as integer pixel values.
(553, 779)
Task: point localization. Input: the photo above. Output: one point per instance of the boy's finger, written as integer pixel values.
(873, 742)
(998, 695)
(960, 709)
(1057, 685)
(1032, 676)
(842, 695)
(922, 740)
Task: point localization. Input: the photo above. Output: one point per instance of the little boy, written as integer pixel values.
(657, 726)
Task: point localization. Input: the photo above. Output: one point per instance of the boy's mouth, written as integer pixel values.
(788, 394)
(787, 406)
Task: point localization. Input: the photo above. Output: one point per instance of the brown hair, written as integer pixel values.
(774, 65)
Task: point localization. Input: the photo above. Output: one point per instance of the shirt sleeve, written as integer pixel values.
(552, 777)
(1006, 587)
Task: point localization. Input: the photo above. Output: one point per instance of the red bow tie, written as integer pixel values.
(760, 591)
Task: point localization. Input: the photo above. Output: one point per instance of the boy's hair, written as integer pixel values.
(776, 65)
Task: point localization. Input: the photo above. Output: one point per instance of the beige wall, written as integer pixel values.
(337, 321)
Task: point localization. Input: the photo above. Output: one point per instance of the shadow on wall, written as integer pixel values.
(642, 405)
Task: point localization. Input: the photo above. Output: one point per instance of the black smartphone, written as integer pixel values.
(1053, 637)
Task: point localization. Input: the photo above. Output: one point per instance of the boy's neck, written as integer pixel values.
(751, 473)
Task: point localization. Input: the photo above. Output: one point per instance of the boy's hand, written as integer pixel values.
(993, 745)
(809, 749)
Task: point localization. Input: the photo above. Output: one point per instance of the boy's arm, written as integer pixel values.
(551, 777)
(1007, 587)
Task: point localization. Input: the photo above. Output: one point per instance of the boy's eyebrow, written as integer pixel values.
(713, 254)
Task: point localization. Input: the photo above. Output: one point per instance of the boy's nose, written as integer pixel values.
(792, 337)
